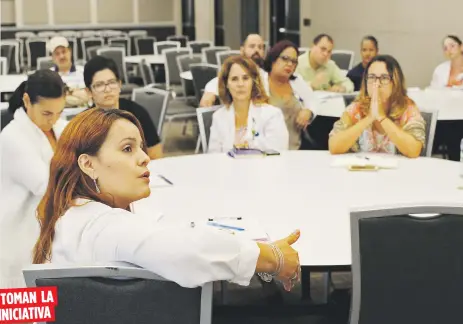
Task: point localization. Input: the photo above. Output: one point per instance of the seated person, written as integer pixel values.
(85, 214)
(383, 119)
(103, 84)
(253, 47)
(287, 90)
(72, 75)
(319, 71)
(368, 50)
(450, 73)
(27, 145)
(246, 119)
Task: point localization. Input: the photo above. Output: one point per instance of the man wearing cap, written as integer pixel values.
(71, 74)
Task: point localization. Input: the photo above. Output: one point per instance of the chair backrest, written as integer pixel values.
(160, 47)
(69, 33)
(406, 264)
(90, 42)
(45, 63)
(155, 101)
(343, 59)
(3, 66)
(90, 33)
(145, 45)
(222, 56)
(146, 72)
(303, 50)
(35, 48)
(202, 73)
(183, 63)
(205, 122)
(182, 39)
(24, 34)
(430, 117)
(73, 45)
(5, 118)
(197, 46)
(171, 66)
(136, 33)
(10, 50)
(209, 53)
(119, 293)
(47, 34)
(117, 54)
(121, 41)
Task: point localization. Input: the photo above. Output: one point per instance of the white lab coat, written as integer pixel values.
(440, 77)
(25, 162)
(93, 232)
(264, 120)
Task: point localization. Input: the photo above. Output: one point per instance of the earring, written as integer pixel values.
(96, 184)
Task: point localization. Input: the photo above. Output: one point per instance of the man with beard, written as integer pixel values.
(253, 47)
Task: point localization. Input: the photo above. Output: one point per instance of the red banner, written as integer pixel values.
(28, 305)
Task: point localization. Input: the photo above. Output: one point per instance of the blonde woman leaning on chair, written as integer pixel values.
(383, 119)
(245, 120)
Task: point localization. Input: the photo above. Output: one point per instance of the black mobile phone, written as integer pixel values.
(271, 152)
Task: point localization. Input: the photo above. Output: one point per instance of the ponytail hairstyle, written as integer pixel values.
(41, 84)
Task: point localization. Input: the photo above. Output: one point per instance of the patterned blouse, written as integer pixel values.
(371, 140)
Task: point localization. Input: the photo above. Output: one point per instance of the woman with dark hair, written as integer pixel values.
(450, 73)
(27, 145)
(256, 124)
(368, 50)
(100, 168)
(383, 118)
(288, 91)
(103, 84)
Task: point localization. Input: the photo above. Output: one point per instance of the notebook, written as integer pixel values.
(243, 153)
(367, 163)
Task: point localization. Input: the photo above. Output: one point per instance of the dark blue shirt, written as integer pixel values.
(356, 76)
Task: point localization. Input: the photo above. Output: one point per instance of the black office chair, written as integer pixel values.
(202, 73)
(120, 294)
(5, 118)
(407, 265)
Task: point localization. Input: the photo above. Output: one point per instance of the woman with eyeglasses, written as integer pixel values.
(450, 73)
(288, 91)
(383, 118)
(103, 84)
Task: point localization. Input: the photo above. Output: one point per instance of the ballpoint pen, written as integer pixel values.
(234, 228)
(218, 218)
(165, 179)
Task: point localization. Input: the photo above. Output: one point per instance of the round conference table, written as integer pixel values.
(297, 190)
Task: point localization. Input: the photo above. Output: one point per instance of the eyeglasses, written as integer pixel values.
(288, 59)
(101, 86)
(384, 79)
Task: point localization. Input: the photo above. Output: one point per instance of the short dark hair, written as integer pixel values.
(41, 84)
(274, 53)
(371, 39)
(97, 64)
(319, 37)
(455, 38)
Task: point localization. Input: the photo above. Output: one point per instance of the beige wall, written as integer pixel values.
(412, 36)
(7, 12)
(35, 12)
(204, 20)
(232, 23)
(155, 10)
(111, 11)
(69, 12)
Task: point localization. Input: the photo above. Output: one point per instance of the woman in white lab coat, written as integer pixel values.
(245, 119)
(450, 73)
(27, 144)
(86, 215)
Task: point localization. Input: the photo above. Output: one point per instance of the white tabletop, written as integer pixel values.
(186, 75)
(10, 82)
(298, 189)
(150, 59)
(448, 102)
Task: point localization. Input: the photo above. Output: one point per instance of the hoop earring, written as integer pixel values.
(96, 184)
